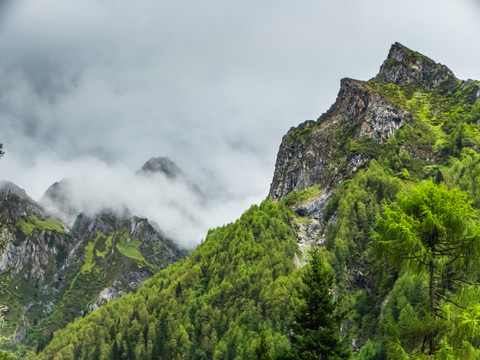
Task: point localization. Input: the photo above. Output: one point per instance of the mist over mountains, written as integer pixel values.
(159, 191)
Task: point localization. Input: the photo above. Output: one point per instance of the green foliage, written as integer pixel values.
(464, 173)
(429, 227)
(372, 350)
(316, 325)
(129, 247)
(296, 198)
(31, 223)
(235, 289)
(432, 232)
(6, 355)
(366, 146)
(359, 203)
(304, 131)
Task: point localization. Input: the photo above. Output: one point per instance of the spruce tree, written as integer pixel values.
(316, 326)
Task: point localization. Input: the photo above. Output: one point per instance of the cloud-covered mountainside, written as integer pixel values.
(379, 169)
(158, 191)
(59, 272)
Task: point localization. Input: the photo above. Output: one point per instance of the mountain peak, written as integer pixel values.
(9, 187)
(404, 66)
(15, 203)
(161, 165)
(57, 200)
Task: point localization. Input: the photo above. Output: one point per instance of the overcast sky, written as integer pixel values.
(94, 88)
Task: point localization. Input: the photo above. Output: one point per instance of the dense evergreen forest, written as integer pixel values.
(392, 274)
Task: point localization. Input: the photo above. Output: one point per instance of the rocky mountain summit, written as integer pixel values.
(407, 67)
(359, 124)
(15, 203)
(57, 200)
(163, 166)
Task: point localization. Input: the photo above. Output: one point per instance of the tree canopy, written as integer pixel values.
(432, 232)
(431, 229)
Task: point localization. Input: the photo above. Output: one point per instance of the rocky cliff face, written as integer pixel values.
(15, 203)
(318, 152)
(363, 118)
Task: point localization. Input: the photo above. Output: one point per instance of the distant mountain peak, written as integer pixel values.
(161, 165)
(15, 203)
(57, 200)
(9, 187)
(404, 66)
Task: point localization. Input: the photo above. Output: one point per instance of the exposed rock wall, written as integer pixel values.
(319, 152)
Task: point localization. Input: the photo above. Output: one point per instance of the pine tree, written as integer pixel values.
(116, 353)
(316, 326)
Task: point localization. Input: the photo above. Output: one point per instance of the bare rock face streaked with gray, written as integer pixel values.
(320, 152)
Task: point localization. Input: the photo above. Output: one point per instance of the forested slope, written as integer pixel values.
(237, 285)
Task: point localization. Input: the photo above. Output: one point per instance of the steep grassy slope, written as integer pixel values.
(118, 255)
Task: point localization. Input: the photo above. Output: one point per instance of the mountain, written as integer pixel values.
(60, 273)
(67, 198)
(161, 165)
(414, 124)
(410, 89)
(57, 199)
(365, 115)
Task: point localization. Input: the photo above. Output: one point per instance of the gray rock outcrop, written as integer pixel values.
(321, 152)
(318, 152)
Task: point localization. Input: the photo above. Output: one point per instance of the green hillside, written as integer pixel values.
(236, 286)
(394, 211)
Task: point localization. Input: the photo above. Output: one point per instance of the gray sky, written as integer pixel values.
(94, 88)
